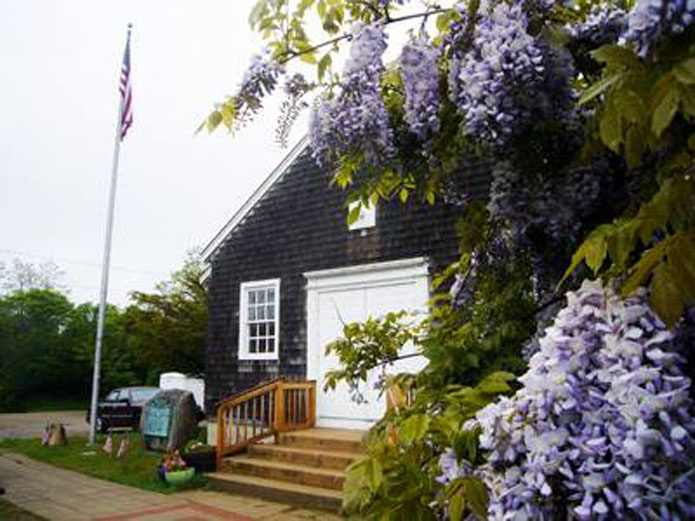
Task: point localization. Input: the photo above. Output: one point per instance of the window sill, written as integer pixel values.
(266, 357)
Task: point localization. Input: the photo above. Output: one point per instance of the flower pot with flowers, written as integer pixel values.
(200, 456)
(173, 470)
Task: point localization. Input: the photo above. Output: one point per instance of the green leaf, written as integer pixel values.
(665, 298)
(324, 65)
(681, 266)
(214, 120)
(641, 271)
(687, 97)
(665, 110)
(309, 58)
(596, 254)
(403, 195)
(457, 505)
(616, 56)
(635, 146)
(685, 71)
(228, 112)
(497, 382)
(622, 242)
(599, 234)
(373, 473)
(257, 13)
(354, 214)
(631, 106)
(599, 87)
(430, 198)
(654, 214)
(611, 128)
(303, 6)
(476, 496)
(414, 428)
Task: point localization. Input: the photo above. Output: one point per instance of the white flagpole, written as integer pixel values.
(105, 272)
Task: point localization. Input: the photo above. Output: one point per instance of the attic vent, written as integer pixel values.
(366, 219)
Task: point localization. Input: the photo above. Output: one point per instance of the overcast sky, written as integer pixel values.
(61, 61)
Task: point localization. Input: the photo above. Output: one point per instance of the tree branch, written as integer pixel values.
(296, 54)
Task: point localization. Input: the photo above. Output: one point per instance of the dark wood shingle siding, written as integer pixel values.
(299, 226)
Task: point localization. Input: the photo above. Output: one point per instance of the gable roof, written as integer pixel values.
(473, 178)
(219, 239)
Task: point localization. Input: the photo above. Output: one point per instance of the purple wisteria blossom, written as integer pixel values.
(355, 120)
(602, 26)
(295, 88)
(420, 72)
(451, 467)
(296, 85)
(651, 20)
(551, 206)
(603, 427)
(259, 80)
(503, 80)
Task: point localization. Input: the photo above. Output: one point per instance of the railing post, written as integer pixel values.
(220, 435)
(279, 410)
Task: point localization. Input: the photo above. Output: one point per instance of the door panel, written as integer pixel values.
(337, 307)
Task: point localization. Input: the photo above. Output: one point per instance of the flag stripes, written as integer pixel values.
(125, 88)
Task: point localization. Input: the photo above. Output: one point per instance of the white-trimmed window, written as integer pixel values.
(366, 218)
(259, 324)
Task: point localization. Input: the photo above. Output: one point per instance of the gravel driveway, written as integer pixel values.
(32, 424)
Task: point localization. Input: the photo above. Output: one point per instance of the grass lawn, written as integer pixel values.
(10, 511)
(136, 469)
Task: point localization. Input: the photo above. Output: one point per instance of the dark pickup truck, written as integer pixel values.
(122, 408)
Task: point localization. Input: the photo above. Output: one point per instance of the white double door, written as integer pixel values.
(338, 297)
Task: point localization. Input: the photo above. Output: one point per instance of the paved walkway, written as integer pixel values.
(63, 495)
(32, 424)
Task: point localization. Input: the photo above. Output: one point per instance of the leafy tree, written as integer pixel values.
(23, 276)
(33, 357)
(47, 343)
(118, 362)
(168, 329)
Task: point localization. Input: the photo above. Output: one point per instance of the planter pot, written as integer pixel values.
(179, 477)
(204, 461)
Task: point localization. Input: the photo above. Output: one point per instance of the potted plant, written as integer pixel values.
(200, 456)
(173, 469)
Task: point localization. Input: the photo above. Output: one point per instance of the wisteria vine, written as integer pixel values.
(355, 119)
(259, 81)
(504, 79)
(603, 426)
(420, 73)
(651, 20)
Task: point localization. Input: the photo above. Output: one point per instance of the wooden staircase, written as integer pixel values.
(304, 468)
(266, 447)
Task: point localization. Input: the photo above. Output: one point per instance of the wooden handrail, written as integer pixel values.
(250, 389)
(265, 410)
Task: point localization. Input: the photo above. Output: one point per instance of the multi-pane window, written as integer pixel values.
(259, 320)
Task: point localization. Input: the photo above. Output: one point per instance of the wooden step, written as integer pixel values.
(296, 494)
(323, 459)
(281, 471)
(325, 439)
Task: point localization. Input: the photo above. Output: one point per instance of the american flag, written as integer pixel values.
(125, 89)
